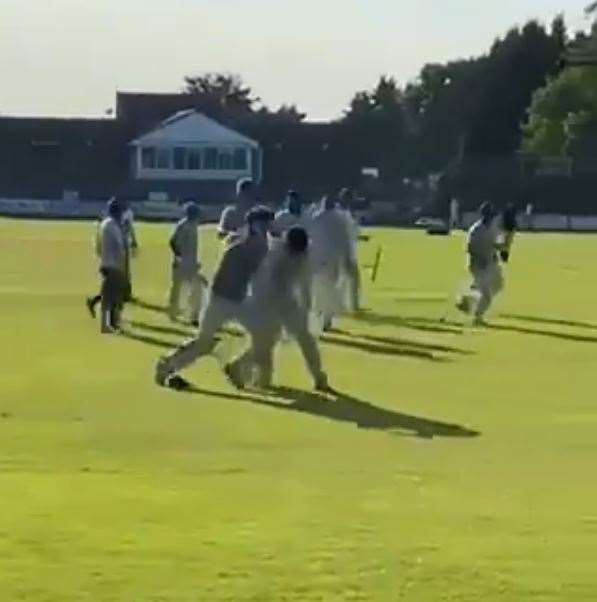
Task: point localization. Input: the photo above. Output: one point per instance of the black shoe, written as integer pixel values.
(178, 383)
(90, 306)
(233, 377)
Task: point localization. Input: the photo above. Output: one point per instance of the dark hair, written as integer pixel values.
(297, 239)
(191, 210)
(259, 214)
(244, 185)
(114, 208)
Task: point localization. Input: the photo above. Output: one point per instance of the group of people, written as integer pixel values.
(276, 270)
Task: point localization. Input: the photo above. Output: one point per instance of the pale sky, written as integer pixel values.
(68, 57)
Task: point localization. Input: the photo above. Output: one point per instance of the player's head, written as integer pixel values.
(297, 240)
(114, 208)
(346, 198)
(191, 211)
(328, 202)
(294, 202)
(259, 220)
(487, 211)
(245, 191)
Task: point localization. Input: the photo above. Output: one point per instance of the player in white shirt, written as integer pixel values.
(482, 249)
(127, 222)
(292, 215)
(353, 274)
(282, 298)
(112, 256)
(184, 244)
(232, 220)
(332, 253)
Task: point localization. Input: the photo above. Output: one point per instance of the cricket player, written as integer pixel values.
(185, 266)
(353, 274)
(232, 219)
(282, 287)
(112, 255)
(227, 297)
(292, 215)
(127, 223)
(332, 256)
(482, 248)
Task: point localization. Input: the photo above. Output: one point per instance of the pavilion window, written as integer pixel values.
(210, 158)
(239, 159)
(163, 158)
(224, 160)
(193, 159)
(180, 158)
(148, 157)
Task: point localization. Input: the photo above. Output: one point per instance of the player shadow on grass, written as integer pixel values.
(162, 329)
(345, 408)
(554, 321)
(411, 322)
(151, 306)
(564, 336)
(399, 342)
(374, 347)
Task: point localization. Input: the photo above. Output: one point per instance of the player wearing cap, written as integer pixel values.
(482, 248)
(227, 297)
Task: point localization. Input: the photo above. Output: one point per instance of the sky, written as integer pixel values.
(68, 57)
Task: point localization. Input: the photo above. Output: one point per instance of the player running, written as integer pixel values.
(332, 253)
(227, 297)
(283, 286)
(292, 215)
(482, 248)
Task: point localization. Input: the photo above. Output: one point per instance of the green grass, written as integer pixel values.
(112, 489)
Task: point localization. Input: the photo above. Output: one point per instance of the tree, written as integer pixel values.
(562, 114)
(219, 91)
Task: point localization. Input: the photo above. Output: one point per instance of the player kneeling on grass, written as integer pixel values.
(185, 267)
(282, 298)
(482, 247)
(112, 253)
(227, 297)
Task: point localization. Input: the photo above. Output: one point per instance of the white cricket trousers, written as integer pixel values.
(217, 312)
(489, 282)
(185, 277)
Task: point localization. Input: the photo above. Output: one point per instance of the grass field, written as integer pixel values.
(112, 489)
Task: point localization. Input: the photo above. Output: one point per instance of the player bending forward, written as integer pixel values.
(282, 296)
(227, 298)
(482, 248)
(185, 267)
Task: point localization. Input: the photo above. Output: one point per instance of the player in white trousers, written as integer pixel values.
(184, 244)
(227, 298)
(482, 249)
(332, 252)
(283, 286)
